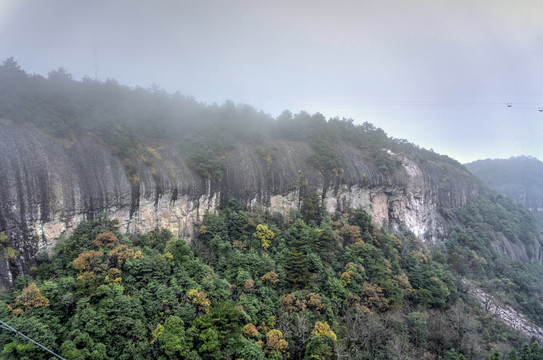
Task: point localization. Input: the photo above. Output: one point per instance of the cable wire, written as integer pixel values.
(5, 326)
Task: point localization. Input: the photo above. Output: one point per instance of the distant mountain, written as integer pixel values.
(520, 178)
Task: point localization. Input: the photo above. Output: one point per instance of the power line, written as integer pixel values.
(411, 104)
(7, 327)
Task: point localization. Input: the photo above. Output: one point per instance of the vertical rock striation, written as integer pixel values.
(48, 186)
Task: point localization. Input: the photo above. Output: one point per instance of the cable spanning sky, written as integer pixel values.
(463, 77)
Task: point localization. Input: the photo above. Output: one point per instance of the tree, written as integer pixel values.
(496, 355)
(311, 208)
(297, 266)
(296, 262)
(361, 219)
(265, 236)
(173, 340)
(105, 240)
(512, 355)
(30, 298)
(10, 70)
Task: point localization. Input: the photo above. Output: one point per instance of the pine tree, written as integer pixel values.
(496, 355)
(297, 268)
(512, 355)
(297, 264)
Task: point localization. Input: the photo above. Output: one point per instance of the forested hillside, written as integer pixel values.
(255, 286)
(303, 282)
(520, 178)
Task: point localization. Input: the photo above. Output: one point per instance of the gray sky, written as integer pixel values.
(438, 73)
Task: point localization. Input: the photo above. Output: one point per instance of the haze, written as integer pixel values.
(441, 74)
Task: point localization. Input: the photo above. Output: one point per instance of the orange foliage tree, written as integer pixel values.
(105, 240)
(89, 261)
(30, 298)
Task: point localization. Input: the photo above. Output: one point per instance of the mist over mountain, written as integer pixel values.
(520, 178)
(135, 223)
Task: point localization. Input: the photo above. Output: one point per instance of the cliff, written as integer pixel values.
(48, 185)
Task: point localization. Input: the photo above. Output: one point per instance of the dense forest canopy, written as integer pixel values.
(300, 285)
(257, 286)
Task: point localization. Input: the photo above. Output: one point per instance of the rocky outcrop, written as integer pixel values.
(503, 312)
(47, 186)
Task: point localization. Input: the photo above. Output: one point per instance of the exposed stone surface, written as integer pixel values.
(48, 187)
(505, 313)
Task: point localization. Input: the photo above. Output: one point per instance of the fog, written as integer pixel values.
(461, 77)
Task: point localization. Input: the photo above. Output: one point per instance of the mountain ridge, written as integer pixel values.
(520, 178)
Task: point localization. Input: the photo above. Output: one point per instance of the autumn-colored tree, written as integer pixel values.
(275, 342)
(89, 261)
(270, 278)
(105, 240)
(250, 330)
(291, 303)
(314, 301)
(113, 276)
(29, 298)
(120, 254)
(322, 329)
(249, 286)
(373, 297)
(265, 236)
(199, 298)
(350, 234)
(322, 343)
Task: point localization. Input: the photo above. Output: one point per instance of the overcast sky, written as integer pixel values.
(438, 73)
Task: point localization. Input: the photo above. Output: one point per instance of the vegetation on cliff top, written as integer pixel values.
(126, 117)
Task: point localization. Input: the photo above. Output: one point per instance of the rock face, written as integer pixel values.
(504, 312)
(48, 186)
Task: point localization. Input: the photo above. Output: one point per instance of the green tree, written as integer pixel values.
(311, 208)
(361, 219)
(512, 355)
(495, 355)
(173, 340)
(296, 263)
(297, 266)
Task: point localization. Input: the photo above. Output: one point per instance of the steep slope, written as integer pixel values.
(48, 186)
(519, 178)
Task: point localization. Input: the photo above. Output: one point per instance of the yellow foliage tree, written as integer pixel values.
(275, 341)
(120, 254)
(113, 276)
(30, 298)
(265, 236)
(322, 329)
(199, 298)
(270, 277)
